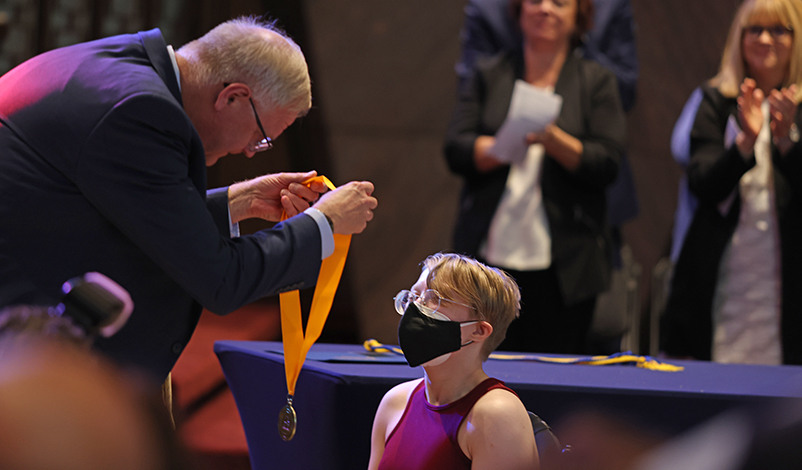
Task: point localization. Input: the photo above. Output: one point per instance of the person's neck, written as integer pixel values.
(449, 382)
(191, 87)
(183, 72)
(196, 98)
(543, 62)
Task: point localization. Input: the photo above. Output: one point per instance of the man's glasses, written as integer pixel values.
(429, 300)
(776, 31)
(264, 144)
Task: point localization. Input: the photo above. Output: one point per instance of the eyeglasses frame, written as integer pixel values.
(266, 143)
(754, 31)
(417, 298)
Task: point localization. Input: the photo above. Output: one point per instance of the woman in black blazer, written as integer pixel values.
(735, 295)
(557, 249)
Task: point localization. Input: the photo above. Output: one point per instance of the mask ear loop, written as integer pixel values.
(466, 323)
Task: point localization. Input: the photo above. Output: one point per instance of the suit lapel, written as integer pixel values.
(156, 49)
(160, 58)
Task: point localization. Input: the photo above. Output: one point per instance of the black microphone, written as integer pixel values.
(95, 303)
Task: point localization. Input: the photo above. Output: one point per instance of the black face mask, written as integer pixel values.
(423, 338)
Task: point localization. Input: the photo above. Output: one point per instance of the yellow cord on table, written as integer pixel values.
(644, 362)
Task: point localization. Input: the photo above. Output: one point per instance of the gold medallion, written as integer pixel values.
(287, 421)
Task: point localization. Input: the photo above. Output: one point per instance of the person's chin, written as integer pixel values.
(212, 159)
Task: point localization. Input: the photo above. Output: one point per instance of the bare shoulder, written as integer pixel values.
(499, 403)
(393, 405)
(387, 417)
(398, 396)
(498, 433)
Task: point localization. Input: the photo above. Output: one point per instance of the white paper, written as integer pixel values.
(531, 110)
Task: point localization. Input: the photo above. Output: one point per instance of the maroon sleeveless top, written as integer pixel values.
(426, 436)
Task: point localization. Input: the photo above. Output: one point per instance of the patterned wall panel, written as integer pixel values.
(40, 25)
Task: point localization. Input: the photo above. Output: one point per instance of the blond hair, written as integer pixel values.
(733, 68)
(254, 52)
(491, 292)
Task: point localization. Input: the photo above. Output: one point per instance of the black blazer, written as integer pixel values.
(574, 201)
(102, 170)
(713, 173)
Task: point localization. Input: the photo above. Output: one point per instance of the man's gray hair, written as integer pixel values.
(254, 52)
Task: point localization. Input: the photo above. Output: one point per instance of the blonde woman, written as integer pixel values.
(735, 295)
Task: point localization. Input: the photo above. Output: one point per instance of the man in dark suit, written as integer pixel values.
(103, 154)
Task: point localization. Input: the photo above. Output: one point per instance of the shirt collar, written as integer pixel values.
(175, 65)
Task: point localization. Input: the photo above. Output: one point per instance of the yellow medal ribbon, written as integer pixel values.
(296, 343)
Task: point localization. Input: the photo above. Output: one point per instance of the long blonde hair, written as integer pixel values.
(733, 68)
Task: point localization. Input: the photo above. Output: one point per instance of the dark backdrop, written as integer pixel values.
(383, 87)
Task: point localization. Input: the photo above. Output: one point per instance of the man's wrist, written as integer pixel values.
(326, 233)
(237, 201)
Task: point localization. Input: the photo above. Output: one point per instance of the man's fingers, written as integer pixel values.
(350, 206)
(367, 187)
(305, 176)
(289, 207)
(318, 187)
(301, 191)
(292, 203)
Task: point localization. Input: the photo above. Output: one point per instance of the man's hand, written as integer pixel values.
(268, 196)
(350, 207)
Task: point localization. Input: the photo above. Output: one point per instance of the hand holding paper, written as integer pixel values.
(531, 110)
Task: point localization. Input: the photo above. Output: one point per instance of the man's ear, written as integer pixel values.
(230, 94)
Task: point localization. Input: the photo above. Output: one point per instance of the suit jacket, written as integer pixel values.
(713, 174)
(102, 170)
(574, 201)
(489, 30)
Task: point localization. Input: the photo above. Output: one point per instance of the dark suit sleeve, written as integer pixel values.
(134, 170)
(714, 171)
(611, 43)
(487, 31)
(217, 204)
(605, 136)
(477, 41)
